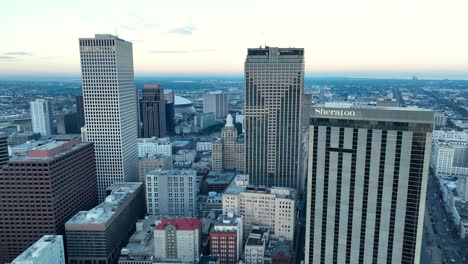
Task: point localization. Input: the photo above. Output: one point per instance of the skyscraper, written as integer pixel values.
(154, 111)
(368, 170)
(274, 88)
(228, 153)
(80, 109)
(217, 103)
(42, 117)
(110, 108)
(51, 184)
(3, 149)
(170, 111)
(68, 123)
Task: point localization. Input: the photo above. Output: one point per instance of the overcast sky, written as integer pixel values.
(355, 38)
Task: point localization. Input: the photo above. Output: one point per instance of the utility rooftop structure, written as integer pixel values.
(47, 250)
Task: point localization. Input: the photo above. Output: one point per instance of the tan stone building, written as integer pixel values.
(228, 153)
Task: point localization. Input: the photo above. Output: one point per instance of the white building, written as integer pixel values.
(47, 250)
(110, 108)
(440, 119)
(171, 192)
(204, 146)
(254, 250)
(450, 154)
(154, 146)
(185, 155)
(41, 117)
(177, 240)
(450, 135)
(274, 207)
(217, 103)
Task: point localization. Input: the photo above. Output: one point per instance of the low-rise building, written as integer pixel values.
(47, 250)
(177, 240)
(450, 156)
(171, 192)
(153, 162)
(274, 207)
(279, 251)
(226, 238)
(254, 250)
(217, 181)
(185, 155)
(204, 146)
(154, 146)
(98, 235)
(140, 247)
(207, 203)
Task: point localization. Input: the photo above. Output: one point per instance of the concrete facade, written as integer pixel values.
(47, 250)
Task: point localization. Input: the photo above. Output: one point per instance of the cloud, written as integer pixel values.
(17, 53)
(180, 51)
(188, 30)
(13, 55)
(6, 58)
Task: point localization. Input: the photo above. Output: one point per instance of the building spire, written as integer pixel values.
(229, 122)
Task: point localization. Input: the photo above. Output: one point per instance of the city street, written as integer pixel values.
(440, 239)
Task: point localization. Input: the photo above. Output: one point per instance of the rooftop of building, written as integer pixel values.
(462, 209)
(102, 213)
(40, 247)
(241, 185)
(218, 177)
(208, 260)
(180, 223)
(229, 219)
(172, 172)
(358, 111)
(278, 247)
(258, 236)
(154, 156)
(180, 143)
(141, 244)
(50, 150)
(155, 140)
(282, 51)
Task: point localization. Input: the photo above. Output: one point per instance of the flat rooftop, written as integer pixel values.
(43, 246)
(50, 150)
(278, 247)
(173, 172)
(217, 177)
(141, 244)
(278, 192)
(104, 211)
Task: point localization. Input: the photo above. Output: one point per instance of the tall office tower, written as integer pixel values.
(170, 111)
(138, 107)
(154, 111)
(80, 109)
(368, 170)
(42, 117)
(47, 250)
(228, 153)
(68, 123)
(217, 103)
(110, 108)
(274, 88)
(97, 236)
(51, 184)
(178, 240)
(3, 149)
(172, 192)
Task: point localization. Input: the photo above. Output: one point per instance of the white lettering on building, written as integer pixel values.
(334, 112)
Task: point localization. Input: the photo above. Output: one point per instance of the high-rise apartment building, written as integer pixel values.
(178, 240)
(47, 250)
(368, 170)
(274, 88)
(42, 190)
(217, 103)
(170, 111)
(3, 149)
(80, 110)
(226, 238)
(98, 235)
(110, 108)
(273, 207)
(42, 117)
(228, 153)
(153, 111)
(172, 192)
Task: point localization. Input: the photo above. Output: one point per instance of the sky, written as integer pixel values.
(341, 38)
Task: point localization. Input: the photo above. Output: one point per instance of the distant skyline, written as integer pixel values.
(360, 38)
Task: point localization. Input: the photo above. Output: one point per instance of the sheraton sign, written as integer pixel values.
(334, 112)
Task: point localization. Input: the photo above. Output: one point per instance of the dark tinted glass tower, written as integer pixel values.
(80, 110)
(3, 149)
(274, 88)
(367, 182)
(170, 111)
(153, 111)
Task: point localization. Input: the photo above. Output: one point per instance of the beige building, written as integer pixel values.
(228, 153)
(153, 162)
(273, 206)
